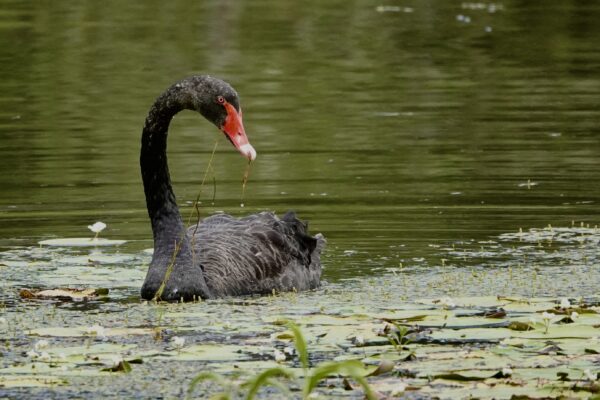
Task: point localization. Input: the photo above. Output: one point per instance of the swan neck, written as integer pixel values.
(167, 224)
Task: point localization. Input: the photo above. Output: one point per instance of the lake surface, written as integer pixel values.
(389, 128)
(413, 135)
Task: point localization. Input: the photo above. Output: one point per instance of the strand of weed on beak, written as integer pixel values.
(196, 206)
(212, 202)
(244, 181)
(163, 284)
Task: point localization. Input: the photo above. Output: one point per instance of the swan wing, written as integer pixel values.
(256, 254)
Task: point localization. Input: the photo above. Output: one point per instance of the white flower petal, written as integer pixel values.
(178, 342)
(115, 359)
(97, 227)
(574, 315)
(590, 375)
(40, 344)
(279, 356)
(32, 354)
(547, 315)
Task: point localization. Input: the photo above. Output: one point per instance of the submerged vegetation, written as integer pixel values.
(412, 133)
(246, 348)
(374, 337)
(358, 338)
(312, 377)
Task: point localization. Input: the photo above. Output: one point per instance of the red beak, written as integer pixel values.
(234, 129)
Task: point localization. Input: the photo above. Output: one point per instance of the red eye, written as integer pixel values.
(220, 99)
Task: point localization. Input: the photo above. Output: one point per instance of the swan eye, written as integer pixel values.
(220, 100)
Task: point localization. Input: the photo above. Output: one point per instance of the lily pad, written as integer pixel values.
(121, 366)
(81, 242)
(90, 331)
(64, 294)
(31, 381)
(210, 352)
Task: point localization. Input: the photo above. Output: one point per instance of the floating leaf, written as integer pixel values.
(121, 366)
(81, 242)
(384, 367)
(413, 318)
(551, 350)
(30, 381)
(455, 376)
(88, 331)
(63, 294)
(519, 326)
(563, 376)
(285, 336)
(497, 313)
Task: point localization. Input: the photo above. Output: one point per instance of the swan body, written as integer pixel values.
(222, 255)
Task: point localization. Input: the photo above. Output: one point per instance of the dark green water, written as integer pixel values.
(394, 128)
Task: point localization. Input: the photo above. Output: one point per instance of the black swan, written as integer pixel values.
(222, 255)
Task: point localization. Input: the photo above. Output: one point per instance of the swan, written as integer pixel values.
(222, 255)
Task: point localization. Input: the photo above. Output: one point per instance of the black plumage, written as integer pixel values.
(221, 255)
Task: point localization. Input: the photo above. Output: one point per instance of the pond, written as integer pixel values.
(444, 148)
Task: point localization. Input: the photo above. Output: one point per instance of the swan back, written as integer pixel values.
(256, 254)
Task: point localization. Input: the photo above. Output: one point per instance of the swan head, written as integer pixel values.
(218, 102)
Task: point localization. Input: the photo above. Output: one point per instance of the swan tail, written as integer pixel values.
(321, 242)
(310, 246)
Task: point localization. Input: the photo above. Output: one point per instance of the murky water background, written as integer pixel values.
(413, 135)
(389, 127)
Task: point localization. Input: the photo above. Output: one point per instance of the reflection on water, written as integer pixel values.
(394, 129)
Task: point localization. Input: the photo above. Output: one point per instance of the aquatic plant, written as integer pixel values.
(398, 336)
(97, 228)
(178, 342)
(547, 320)
(312, 377)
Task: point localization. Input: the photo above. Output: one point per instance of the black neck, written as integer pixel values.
(174, 272)
(167, 225)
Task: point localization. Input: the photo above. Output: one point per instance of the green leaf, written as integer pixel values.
(454, 376)
(122, 366)
(384, 366)
(30, 381)
(352, 368)
(300, 344)
(264, 379)
(519, 326)
(207, 376)
(285, 336)
(413, 318)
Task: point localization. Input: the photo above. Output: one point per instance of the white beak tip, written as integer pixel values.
(248, 151)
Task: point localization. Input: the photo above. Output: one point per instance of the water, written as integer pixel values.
(411, 136)
(390, 129)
